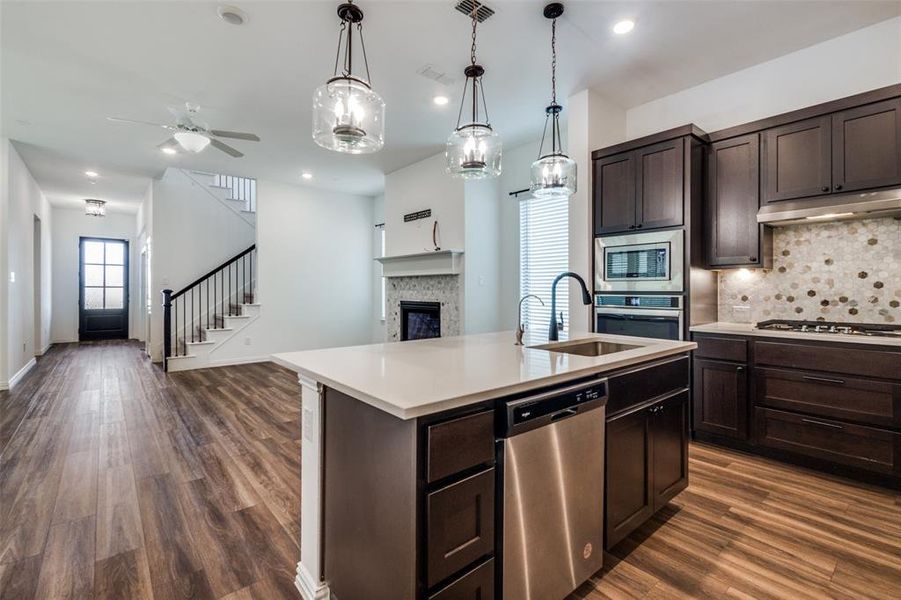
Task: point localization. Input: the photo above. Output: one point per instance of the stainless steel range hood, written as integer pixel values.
(834, 207)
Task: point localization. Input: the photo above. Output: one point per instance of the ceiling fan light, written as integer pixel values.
(348, 116)
(192, 141)
(94, 207)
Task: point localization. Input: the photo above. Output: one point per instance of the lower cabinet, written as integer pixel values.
(720, 398)
(647, 463)
(477, 584)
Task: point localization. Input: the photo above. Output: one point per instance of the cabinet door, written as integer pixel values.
(732, 234)
(720, 398)
(797, 160)
(629, 500)
(614, 193)
(866, 146)
(659, 192)
(669, 440)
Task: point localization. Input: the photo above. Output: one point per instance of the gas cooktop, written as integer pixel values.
(830, 327)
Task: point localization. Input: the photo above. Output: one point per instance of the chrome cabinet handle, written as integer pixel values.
(822, 424)
(824, 380)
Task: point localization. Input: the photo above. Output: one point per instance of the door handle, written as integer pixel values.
(824, 380)
(566, 412)
(822, 424)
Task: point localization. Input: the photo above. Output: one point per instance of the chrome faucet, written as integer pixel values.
(554, 331)
(520, 329)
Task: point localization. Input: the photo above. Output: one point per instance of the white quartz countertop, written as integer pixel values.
(749, 329)
(417, 378)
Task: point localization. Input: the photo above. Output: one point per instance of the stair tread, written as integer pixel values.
(180, 356)
(201, 343)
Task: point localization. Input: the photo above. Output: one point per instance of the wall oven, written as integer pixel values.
(659, 317)
(640, 262)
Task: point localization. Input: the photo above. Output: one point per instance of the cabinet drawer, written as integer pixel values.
(853, 445)
(456, 445)
(460, 525)
(477, 584)
(646, 382)
(722, 348)
(829, 359)
(864, 401)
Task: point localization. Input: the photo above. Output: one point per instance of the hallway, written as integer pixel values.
(117, 481)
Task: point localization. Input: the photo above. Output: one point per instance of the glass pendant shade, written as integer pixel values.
(95, 208)
(552, 176)
(192, 141)
(474, 152)
(348, 116)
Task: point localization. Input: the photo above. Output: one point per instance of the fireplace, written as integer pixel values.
(420, 320)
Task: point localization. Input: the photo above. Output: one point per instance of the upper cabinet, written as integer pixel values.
(639, 189)
(855, 149)
(733, 236)
(866, 146)
(797, 160)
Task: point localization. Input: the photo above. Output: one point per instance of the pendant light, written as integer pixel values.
(94, 207)
(553, 174)
(348, 116)
(473, 149)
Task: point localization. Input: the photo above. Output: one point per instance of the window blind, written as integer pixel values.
(543, 254)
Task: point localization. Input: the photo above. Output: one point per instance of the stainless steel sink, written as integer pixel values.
(587, 347)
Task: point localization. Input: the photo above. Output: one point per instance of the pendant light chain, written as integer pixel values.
(554, 61)
(472, 54)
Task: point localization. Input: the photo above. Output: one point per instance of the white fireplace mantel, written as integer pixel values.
(439, 262)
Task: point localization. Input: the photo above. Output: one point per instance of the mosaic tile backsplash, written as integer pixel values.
(842, 271)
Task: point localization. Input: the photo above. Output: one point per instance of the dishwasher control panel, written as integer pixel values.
(565, 401)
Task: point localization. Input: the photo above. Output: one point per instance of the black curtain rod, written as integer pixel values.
(518, 192)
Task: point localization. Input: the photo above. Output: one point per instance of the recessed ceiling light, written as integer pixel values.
(307, 175)
(440, 100)
(624, 26)
(232, 15)
(169, 150)
(92, 174)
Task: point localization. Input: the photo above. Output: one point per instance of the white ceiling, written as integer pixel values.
(67, 65)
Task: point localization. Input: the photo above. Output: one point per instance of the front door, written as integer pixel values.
(103, 297)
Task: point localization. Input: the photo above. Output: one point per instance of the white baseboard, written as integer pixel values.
(309, 588)
(64, 341)
(22, 372)
(224, 362)
(43, 350)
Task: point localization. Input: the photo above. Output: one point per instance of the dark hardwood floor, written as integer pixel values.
(117, 481)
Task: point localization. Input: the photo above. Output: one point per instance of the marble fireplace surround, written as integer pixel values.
(444, 289)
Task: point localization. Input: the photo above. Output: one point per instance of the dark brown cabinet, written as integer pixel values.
(720, 398)
(669, 439)
(477, 584)
(866, 146)
(734, 238)
(797, 160)
(639, 189)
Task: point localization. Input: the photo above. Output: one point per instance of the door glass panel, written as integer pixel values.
(115, 254)
(114, 297)
(93, 252)
(93, 298)
(114, 275)
(93, 275)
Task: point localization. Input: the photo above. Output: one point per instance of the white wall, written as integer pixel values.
(859, 61)
(193, 233)
(515, 176)
(419, 186)
(23, 201)
(144, 242)
(379, 332)
(315, 273)
(481, 260)
(593, 122)
(68, 226)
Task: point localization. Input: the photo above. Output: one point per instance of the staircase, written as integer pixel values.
(200, 317)
(238, 194)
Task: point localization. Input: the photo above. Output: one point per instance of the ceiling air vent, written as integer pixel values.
(467, 6)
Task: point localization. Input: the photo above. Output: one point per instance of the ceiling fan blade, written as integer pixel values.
(121, 120)
(226, 148)
(250, 137)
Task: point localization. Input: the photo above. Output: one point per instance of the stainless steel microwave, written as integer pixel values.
(640, 262)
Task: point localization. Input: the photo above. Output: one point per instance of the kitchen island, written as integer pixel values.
(398, 452)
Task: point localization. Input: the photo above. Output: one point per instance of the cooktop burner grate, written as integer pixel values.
(830, 327)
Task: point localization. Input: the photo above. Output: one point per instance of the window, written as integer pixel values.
(104, 274)
(543, 254)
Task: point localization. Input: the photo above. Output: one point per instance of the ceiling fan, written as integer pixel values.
(193, 135)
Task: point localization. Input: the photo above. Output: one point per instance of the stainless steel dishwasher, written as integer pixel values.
(552, 518)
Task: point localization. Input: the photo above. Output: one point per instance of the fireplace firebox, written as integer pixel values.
(420, 320)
